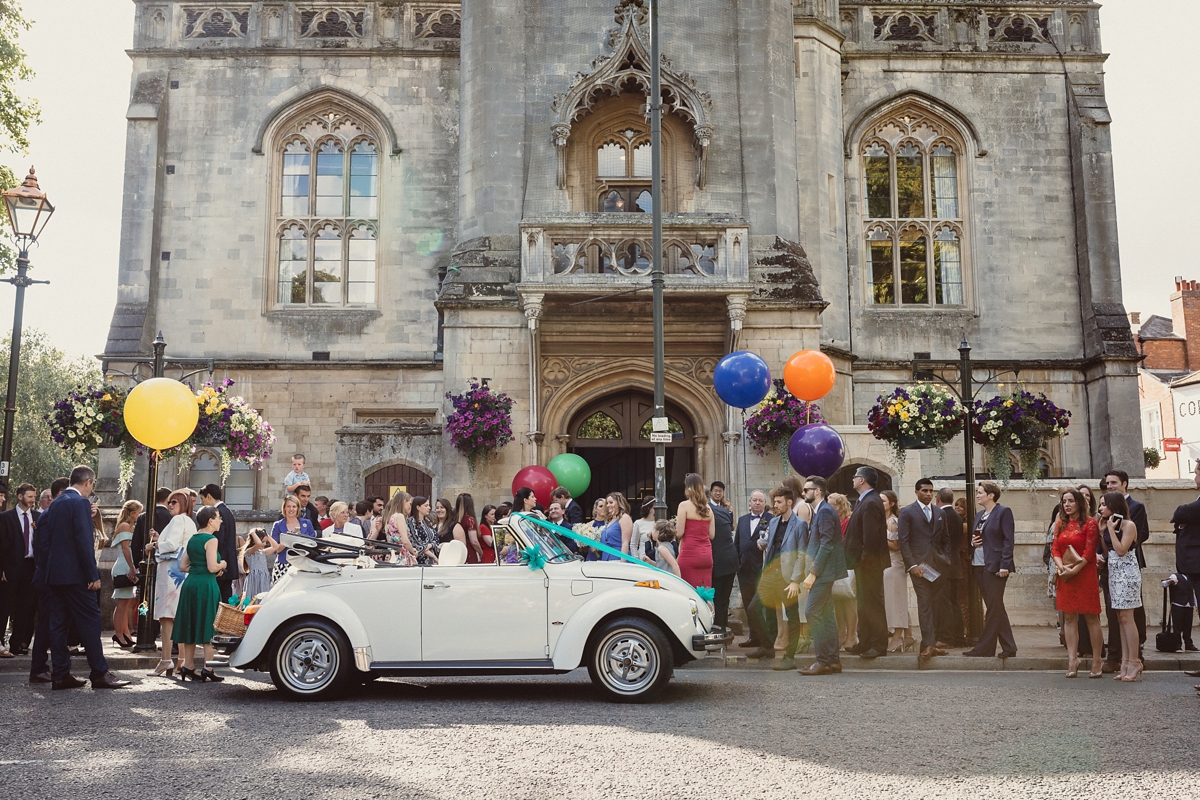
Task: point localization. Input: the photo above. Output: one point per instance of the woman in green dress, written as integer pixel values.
(199, 596)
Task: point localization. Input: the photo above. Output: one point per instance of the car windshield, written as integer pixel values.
(550, 545)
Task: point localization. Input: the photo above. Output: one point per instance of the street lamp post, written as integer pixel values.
(656, 274)
(28, 212)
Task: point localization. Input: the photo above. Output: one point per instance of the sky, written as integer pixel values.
(83, 79)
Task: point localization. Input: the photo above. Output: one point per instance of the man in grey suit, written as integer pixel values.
(783, 570)
(826, 562)
(925, 542)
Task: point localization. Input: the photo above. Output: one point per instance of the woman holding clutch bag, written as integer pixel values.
(1124, 577)
(1076, 537)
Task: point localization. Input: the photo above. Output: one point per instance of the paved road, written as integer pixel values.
(716, 734)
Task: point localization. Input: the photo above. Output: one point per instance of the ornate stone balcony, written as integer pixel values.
(586, 250)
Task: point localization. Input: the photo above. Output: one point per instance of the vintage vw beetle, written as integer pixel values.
(338, 618)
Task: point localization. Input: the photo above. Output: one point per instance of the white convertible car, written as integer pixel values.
(337, 619)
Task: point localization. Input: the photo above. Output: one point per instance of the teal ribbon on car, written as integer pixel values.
(707, 593)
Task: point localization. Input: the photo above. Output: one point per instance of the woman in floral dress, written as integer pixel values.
(421, 534)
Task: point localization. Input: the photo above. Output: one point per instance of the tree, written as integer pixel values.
(46, 375)
(17, 114)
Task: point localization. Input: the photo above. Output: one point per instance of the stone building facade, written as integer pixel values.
(354, 208)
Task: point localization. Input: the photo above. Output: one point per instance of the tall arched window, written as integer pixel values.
(327, 209)
(913, 223)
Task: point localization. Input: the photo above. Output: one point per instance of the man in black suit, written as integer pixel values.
(867, 554)
(17, 597)
(1186, 520)
(227, 543)
(1116, 480)
(750, 554)
(39, 661)
(725, 564)
(950, 614)
(162, 518)
(992, 542)
(925, 542)
(67, 568)
(572, 512)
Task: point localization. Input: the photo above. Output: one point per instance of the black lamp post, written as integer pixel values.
(28, 212)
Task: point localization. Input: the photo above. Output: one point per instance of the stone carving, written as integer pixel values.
(559, 370)
(156, 25)
(395, 416)
(389, 22)
(332, 23)
(790, 276)
(905, 26)
(272, 25)
(215, 23)
(631, 257)
(627, 69)
(437, 23)
(1019, 28)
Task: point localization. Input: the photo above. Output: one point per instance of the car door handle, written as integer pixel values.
(437, 585)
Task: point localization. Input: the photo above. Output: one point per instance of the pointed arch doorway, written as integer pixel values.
(613, 435)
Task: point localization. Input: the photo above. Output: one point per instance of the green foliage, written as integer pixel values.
(17, 114)
(46, 375)
(1152, 457)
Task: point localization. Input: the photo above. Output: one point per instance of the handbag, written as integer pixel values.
(123, 582)
(1071, 556)
(844, 587)
(1167, 640)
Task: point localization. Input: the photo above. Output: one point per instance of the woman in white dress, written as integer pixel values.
(1119, 537)
(895, 580)
(167, 547)
(642, 529)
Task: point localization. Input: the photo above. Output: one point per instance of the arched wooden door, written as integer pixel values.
(613, 436)
(386, 481)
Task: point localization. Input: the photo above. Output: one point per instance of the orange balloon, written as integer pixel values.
(809, 375)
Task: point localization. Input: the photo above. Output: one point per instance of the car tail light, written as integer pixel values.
(648, 584)
(249, 615)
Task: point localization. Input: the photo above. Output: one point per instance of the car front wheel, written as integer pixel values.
(631, 660)
(312, 661)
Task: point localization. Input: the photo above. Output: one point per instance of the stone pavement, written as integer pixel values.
(1037, 649)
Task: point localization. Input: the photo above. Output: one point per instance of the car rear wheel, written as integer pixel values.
(312, 661)
(631, 660)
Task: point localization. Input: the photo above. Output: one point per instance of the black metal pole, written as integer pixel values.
(974, 598)
(656, 273)
(145, 634)
(14, 363)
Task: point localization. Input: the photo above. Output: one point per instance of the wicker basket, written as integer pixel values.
(230, 621)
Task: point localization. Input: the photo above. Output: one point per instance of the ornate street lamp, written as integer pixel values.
(28, 212)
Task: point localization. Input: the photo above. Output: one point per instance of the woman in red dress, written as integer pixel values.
(464, 509)
(699, 527)
(1078, 583)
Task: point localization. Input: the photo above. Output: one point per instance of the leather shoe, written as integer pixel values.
(816, 669)
(108, 681)
(784, 663)
(1110, 667)
(872, 653)
(928, 652)
(69, 682)
(20, 650)
(976, 654)
(1192, 673)
(937, 651)
(41, 677)
(858, 648)
(837, 668)
(761, 653)
(1007, 655)
(749, 643)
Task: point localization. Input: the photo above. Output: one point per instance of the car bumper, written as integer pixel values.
(711, 641)
(224, 643)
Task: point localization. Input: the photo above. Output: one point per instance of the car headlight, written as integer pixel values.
(695, 608)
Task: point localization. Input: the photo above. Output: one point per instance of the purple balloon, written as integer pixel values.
(816, 450)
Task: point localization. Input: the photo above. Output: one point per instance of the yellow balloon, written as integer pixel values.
(161, 413)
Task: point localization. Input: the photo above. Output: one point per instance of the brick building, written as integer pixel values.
(1169, 381)
(354, 209)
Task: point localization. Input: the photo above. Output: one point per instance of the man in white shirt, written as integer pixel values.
(16, 565)
(750, 554)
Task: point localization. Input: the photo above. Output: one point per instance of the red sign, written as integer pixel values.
(1172, 445)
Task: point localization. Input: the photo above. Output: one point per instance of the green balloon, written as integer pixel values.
(571, 472)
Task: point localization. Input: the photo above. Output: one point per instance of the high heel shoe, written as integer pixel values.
(1098, 667)
(1072, 667)
(186, 674)
(166, 667)
(898, 647)
(1135, 673)
(909, 645)
(210, 675)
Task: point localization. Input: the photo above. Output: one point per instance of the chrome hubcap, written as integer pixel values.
(628, 661)
(310, 660)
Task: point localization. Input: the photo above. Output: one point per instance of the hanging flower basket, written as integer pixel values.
(1020, 422)
(480, 424)
(777, 417)
(919, 417)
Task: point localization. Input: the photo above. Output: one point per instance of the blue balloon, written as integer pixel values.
(742, 379)
(816, 450)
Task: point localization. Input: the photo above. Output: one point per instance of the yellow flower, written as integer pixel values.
(1008, 403)
(106, 397)
(903, 415)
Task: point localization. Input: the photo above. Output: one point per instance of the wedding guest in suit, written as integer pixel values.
(572, 511)
(39, 661)
(44, 500)
(750, 548)
(1076, 535)
(725, 563)
(308, 511)
(159, 522)
(1116, 480)
(17, 595)
(895, 580)
(68, 570)
(1186, 522)
(951, 613)
(1124, 576)
(716, 494)
(825, 561)
(867, 553)
(780, 582)
(991, 563)
(227, 538)
(924, 541)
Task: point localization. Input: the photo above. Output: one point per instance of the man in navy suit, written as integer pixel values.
(1116, 480)
(826, 563)
(925, 541)
(750, 553)
(992, 562)
(67, 568)
(227, 544)
(17, 597)
(867, 553)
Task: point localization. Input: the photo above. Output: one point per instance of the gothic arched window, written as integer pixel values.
(326, 209)
(913, 222)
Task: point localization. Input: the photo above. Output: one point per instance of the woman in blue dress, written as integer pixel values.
(620, 526)
(291, 523)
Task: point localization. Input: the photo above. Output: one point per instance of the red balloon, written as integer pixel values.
(540, 479)
(809, 375)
